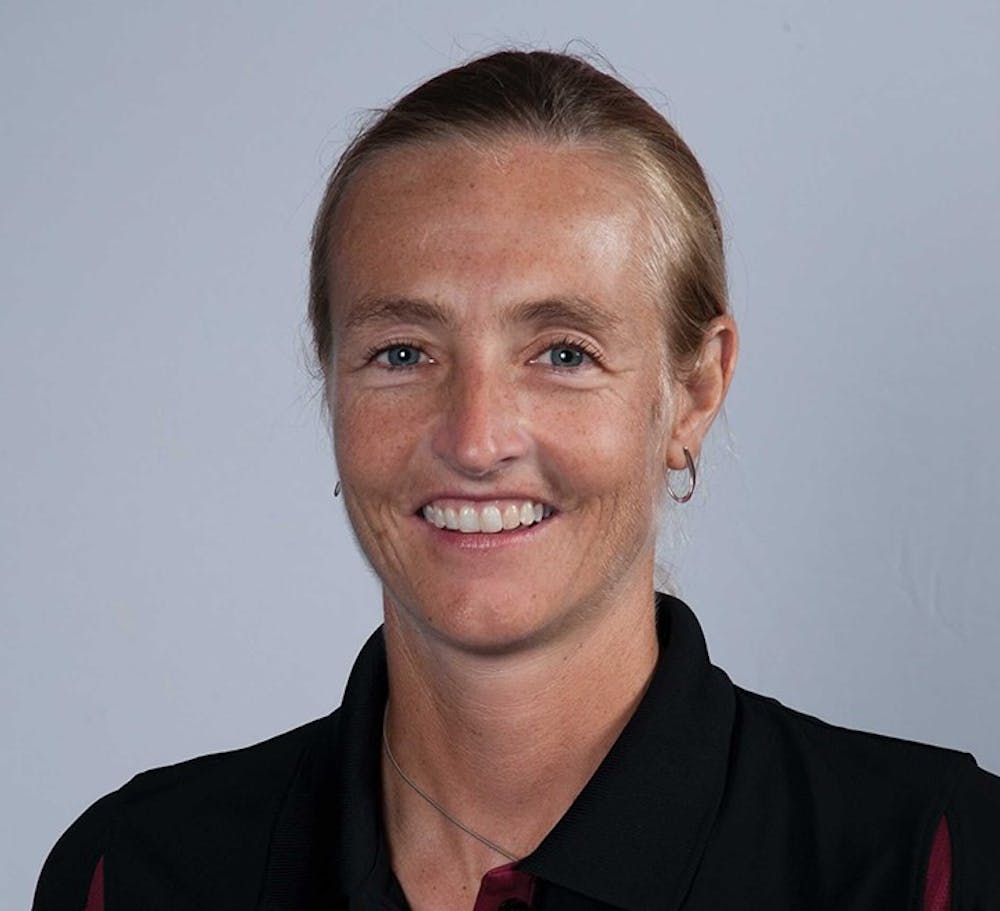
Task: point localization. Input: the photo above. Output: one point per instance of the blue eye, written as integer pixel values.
(399, 356)
(566, 356)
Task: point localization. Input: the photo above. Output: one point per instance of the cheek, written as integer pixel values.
(373, 435)
(612, 448)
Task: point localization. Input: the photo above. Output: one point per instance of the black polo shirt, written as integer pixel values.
(712, 798)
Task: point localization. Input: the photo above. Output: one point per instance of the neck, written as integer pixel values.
(504, 742)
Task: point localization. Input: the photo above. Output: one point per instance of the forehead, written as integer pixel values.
(514, 220)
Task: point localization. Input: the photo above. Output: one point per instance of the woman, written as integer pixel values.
(519, 307)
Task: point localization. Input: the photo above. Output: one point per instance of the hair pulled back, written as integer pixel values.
(562, 99)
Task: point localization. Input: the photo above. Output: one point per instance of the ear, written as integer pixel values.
(699, 395)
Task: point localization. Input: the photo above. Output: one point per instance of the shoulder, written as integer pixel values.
(219, 801)
(877, 793)
(863, 756)
(844, 772)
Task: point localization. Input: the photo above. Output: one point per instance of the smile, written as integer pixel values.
(490, 517)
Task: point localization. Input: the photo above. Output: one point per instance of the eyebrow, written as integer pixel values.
(394, 310)
(574, 311)
(578, 312)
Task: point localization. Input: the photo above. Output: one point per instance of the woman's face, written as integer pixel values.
(498, 364)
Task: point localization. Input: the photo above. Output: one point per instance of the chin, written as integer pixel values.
(482, 618)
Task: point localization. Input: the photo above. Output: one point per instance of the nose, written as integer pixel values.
(480, 429)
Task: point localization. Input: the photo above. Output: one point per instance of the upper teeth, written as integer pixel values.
(490, 517)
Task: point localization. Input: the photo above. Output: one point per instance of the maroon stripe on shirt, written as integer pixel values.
(937, 888)
(95, 897)
(505, 888)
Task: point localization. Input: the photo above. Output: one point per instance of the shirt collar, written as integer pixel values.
(632, 838)
(635, 834)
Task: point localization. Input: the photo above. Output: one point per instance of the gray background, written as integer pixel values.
(175, 577)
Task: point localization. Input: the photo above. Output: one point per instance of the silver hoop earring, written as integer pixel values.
(336, 488)
(683, 498)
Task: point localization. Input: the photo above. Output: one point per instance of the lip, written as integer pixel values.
(483, 541)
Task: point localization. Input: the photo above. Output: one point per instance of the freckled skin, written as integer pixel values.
(476, 233)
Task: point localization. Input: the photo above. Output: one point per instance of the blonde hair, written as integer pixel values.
(557, 98)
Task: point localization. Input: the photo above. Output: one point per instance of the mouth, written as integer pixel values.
(471, 517)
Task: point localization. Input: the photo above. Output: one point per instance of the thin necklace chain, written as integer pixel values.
(482, 839)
